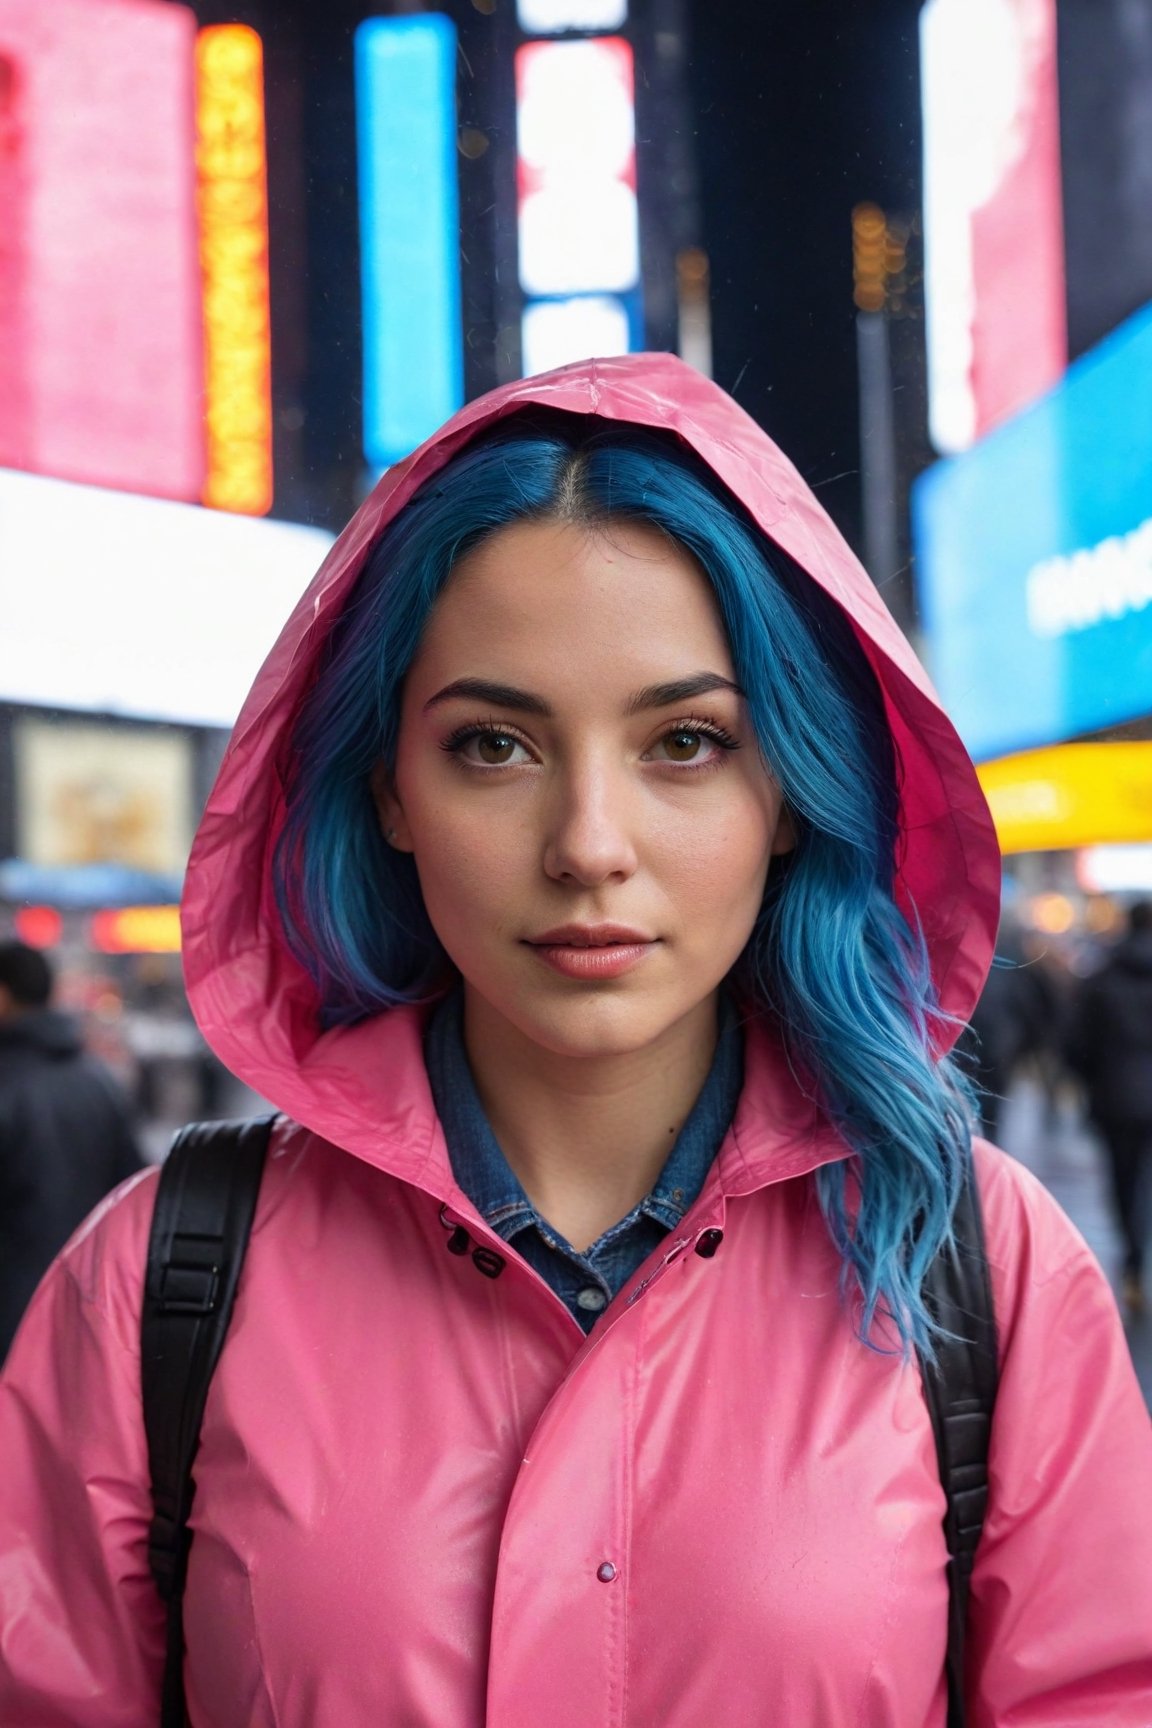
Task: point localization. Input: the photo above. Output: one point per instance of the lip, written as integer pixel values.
(592, 951)
(591, 936)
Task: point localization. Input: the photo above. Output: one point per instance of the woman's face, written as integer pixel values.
(579, 784)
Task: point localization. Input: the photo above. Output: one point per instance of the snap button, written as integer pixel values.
(709, 1241)
(606, 1572)
(592, 1300)
(487, 1260)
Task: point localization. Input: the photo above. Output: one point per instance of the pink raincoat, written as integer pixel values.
(425, 1499)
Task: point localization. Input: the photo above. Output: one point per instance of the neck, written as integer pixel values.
(587, 1136)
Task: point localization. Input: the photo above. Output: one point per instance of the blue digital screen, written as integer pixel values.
(1034, 559)
(409, 230)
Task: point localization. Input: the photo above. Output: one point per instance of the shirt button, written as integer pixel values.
(606, 1572)
(592, 1300)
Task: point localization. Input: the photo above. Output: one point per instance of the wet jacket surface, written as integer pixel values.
(65, 1141)
(426, 1499)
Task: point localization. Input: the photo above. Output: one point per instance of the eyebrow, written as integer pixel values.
(524, 702)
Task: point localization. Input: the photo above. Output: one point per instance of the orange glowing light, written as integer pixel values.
(1053, 913)
(137, 930)
(232, 206)
(870, 257)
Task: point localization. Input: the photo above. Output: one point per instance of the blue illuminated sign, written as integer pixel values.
(409, 230)
(1034, 559)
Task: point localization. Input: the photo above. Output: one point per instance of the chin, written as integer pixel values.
(602, 1023)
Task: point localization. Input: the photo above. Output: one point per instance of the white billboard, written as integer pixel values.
(136, 606)
(547, 17)
(578, 228)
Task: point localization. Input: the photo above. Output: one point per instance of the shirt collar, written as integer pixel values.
(704, 1128)
(484, 1173)
(478, 1164)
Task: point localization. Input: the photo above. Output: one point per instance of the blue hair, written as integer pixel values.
(831, 959)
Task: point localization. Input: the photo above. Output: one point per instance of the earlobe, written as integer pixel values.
(389, 811)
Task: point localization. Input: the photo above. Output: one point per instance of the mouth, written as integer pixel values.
(591, 936)
(592, 953)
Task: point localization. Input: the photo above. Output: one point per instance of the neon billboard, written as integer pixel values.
(1034, 559)
(578, 223)
(141, 606)
(409, 230)
(549, 17)
(993, 212)
(232, 205)
(99, 275)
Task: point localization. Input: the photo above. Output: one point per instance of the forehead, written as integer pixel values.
(548, 598)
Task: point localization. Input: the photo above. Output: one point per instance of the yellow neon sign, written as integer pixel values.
(1070, 795)
(137, 930)
(232, 205)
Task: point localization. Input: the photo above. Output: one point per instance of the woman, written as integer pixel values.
(592, 879)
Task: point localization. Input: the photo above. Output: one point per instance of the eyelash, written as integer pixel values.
(699, 725)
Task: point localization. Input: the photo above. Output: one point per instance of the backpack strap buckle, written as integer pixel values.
(189, 1280)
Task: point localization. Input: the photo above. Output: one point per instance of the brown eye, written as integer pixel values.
(495, 748)
(682, 746)
(480, 746)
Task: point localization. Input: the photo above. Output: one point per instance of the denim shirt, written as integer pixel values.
(585, 1282)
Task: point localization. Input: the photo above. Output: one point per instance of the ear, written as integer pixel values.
(389, 810)
(784, 839)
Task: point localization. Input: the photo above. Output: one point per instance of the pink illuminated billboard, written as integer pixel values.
(993, 212)
(100, 299)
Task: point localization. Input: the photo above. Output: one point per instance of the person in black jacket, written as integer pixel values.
(1007, 1024)
(1110, 1046)
(65, 1135)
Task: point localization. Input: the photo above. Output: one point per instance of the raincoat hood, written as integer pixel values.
(256, 1005)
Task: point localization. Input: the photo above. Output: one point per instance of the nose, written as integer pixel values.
(589, 838)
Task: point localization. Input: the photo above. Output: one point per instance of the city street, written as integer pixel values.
(574, 573)
(1064, 1155)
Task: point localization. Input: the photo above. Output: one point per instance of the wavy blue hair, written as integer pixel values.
(831, 959)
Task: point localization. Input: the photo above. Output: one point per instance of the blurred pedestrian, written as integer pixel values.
(597, 887)
(1005, 1026)
(65, 1136)
(1046, 973)
(1110, 1046)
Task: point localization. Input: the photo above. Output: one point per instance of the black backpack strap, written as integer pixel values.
(960, 1389)
(205, 1202)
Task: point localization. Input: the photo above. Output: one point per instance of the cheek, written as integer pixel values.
(725, 864)
(465, 860)
(714, 870)
(735, 824)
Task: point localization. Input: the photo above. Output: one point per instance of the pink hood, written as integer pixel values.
(236, 962)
